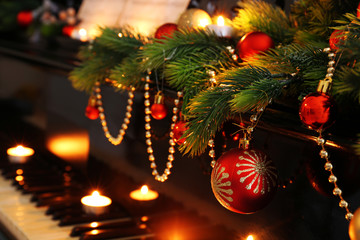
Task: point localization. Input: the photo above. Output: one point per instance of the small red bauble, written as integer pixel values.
(337, 37)
(179, 129)
(317, 111)
(24, 18)
(358, 11)
(166, 30)
(244, 181)
(67, 30)
(92, 112)
(158, 111)
(253, 43)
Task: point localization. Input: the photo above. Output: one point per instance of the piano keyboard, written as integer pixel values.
(45, 205)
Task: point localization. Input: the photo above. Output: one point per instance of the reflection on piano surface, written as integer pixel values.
(40, 199)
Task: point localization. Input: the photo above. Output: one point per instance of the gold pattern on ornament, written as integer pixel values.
(259, 166)
(220, 186)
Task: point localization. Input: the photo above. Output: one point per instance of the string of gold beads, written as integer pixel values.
(164, 176)
(118, 139)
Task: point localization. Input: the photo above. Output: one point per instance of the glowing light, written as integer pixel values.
(96, 200)
(20, 151)
(94, 232)
(144, 194)
(204, 22)
(144, 218)
(250, 237)
(19, 178)
(220, 21)
(19, 171)
(120, 35)
(94, 224)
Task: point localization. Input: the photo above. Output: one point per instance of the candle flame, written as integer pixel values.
(95, 193)
(94, 224)
(220, 21)
(144, 189)
(250, 237)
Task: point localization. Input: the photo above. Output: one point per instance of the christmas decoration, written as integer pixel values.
(179, 129)
(336, 38)
(358, 11)
(92, 111)
(166, 30)
(158, 109)
(354, 227)
(253, 43)
(24, 18)
(118, 139)
(317, 111)
(244, 181)
(163, 177)
(194, 18)
(68, 30)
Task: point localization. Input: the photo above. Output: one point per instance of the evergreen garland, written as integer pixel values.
(184, 60)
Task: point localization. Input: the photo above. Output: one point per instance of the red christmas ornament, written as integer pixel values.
(92, 111)
(67, 30)
(244, 181)
(336, 39)
(317, 111)
(253, 43)
(179, 129)
(358, 11)
(159, 109)
(166, 30)
(24, 18)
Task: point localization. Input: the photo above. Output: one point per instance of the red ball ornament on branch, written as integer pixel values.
(159, 109)
(166, 30)
(68, 30)
(244, 181)
(358, 11)
(92, 111)
(179, 129)
(24, 18)
(336, 38)
(253, 43)
(317, 111)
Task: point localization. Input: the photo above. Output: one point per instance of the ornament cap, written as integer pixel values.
(159, 98)
(92, 101)
(325, 85)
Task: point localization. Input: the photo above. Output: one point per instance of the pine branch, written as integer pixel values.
(264, 17)
(180, 45)
(347, 82)
(207, 111)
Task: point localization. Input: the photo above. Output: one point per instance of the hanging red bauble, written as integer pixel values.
(358, 11)
(253, 43)
(354, 226)
(24, 18)
(244, 181)
(317, 111)
(159, 109)
(166, 30)
(92, 111)
(68, 30)
(337, 37)
(179, 129)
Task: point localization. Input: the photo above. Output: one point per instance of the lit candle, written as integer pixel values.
(144, 194)
(19, 154)
(80, 34)
(220, 29)
(95, 203)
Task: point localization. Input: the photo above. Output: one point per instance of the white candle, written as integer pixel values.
(144, 194)
(19, 154)
(220, 29)
(95, 203)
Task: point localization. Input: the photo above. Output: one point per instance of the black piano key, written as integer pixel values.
(87, 218)
(58, 200)
(109, 224)
(134, 232)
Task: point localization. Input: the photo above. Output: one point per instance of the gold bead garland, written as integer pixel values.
(118, 139)
(163, 177)
(325, 86)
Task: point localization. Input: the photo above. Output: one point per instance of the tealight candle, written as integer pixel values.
(95, 203)
(220, 29)
(144, 194)
(19, 154)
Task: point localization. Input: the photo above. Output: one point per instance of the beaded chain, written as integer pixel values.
(118, 139)
(324, 85)
(150, 150)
